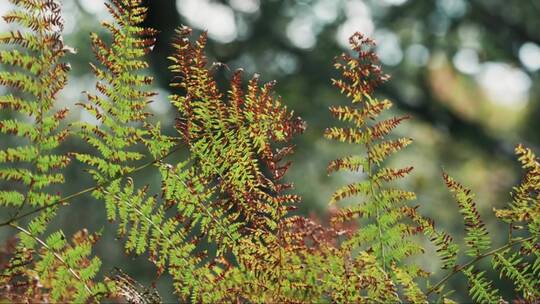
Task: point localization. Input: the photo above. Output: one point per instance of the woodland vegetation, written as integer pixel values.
(223, 221)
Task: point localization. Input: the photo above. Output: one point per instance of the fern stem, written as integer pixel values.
(458, 269)
(56, 255)
(377, 209)
(87, 190)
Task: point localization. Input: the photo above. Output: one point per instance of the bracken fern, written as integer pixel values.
(221, 223)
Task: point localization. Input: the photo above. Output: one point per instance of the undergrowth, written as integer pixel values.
(222, 225)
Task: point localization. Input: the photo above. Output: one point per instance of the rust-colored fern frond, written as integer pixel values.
(234, 140)
(237, 142)
(360, 74)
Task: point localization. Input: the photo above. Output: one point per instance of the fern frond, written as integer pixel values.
(380, 151)
(195, 202)
(234, 141)
(514, 265)
(121, 105)
(361, 74)
(412, 291)
(359, 117)
(447, 249)
(523, 214)
(386, 227)
(351, 190)
(525, 205)
(121, 109)
(312, 267)
(35, 76)
(511, 267)
(232, 192)
(53, 270)
(353, 163)
(480, 289)
(149, 229)
(477, 238)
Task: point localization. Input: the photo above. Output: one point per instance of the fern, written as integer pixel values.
(511, 266)
(412, 291)
(36, 75)
(446, 248)
(524, 206)
(123, 98)
(144, 219)
(52, 269)
(221, 224)
(384, 234)
(507, 262)
(231, 141)
(121, 109)
(477, 238)
(481, 290)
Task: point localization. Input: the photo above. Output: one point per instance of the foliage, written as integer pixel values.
(384, 234)
(222, 224)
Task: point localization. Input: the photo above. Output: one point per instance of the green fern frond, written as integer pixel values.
(384, 233)
(512, 266)
(196, 203)
(121, 109)
(148, 229)
(121, 106)
(477, 238)
(54, 270)
(480, 289)
(35, 75)
(447, 249)
(523, 215)
(412, 291)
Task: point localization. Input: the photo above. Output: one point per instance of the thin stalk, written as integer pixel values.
(377, 209)
(476, 259)
(56, 255)
(87, 190)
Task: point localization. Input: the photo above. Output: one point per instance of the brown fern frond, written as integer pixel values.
(237, 138)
